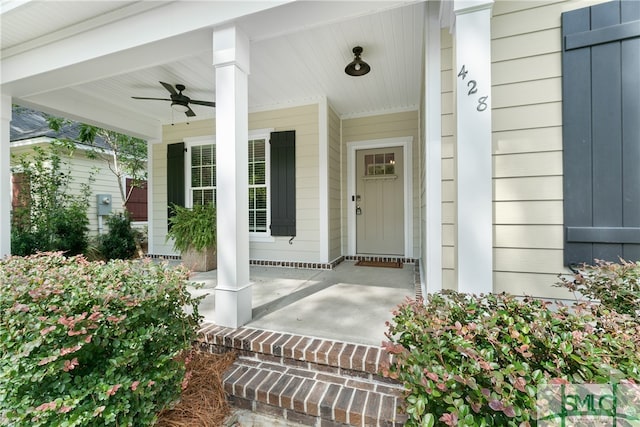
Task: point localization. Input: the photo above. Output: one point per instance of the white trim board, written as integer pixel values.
(406, 142)
(323, 175)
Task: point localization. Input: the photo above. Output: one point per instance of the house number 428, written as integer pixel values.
(472, 87)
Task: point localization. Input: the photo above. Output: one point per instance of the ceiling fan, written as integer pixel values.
(179, 102)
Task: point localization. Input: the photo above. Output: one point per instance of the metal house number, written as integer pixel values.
(472, 85)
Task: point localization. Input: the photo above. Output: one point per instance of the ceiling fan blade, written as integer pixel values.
(169, 87)
(205, 103)
(155, 99)
(189, 112)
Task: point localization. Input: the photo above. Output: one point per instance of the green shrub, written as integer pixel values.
(90, 344)
(616, 286)
(52, 216)
(25, 242)
(120, 241)
(66, 230)
(70, 226)
(477, 360)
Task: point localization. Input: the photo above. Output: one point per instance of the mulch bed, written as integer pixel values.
(203, 402)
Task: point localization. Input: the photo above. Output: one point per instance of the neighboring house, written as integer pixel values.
(514, 156)
(29, 129)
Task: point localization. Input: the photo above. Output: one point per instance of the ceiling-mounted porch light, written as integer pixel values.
(179, 107)
(357, 67)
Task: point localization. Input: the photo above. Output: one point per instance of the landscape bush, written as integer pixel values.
(52, 209)
(65, 230)
(69, 226)
(120, 241)
(91, 344)
(614, 285)
(469, 360)
(24, 242)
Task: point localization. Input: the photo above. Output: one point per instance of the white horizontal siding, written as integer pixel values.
(528, 260)
(306, 245)
(546, 163)
(527, 116)
(526, 45)
(529, 212)
(526, 93)
(528, 189)
(380, 127)
(85, 170)
(304, 120)
(528, 236)
(527, 143)
(159, 189)
(335, 189)
(528, 140)
(526, 69)
(530, 284)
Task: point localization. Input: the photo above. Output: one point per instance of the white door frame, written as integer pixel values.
(406, 143)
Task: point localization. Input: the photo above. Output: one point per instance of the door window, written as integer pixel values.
(379, 164)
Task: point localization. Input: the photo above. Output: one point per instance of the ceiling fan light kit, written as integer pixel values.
(357, 67)
(179, 102)
(180, 108)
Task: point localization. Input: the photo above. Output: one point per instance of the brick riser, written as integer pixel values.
(311, 381)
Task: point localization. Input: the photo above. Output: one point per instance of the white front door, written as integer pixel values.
(380, 201)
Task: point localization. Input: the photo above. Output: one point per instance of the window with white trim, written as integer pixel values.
(203, 174)
(258, 190)
(201, 178)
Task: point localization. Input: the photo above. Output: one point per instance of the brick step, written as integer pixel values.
(311, 397)
(311, 381)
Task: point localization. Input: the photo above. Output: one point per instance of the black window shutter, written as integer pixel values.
(175, 176)
(283, 183)
(601, 132)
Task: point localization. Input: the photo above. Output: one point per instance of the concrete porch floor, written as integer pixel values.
(349, 303)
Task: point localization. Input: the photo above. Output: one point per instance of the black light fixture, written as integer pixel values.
(180, 107)
(357, 67)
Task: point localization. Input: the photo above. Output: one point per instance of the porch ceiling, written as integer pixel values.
(84, 60)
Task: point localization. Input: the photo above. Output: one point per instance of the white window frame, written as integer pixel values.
(264, 236)
(189, 143)
(254, 236)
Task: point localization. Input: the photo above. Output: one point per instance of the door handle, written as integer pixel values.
(358, 210)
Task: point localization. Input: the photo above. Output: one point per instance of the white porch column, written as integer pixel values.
(233, 292)
(432, 258)
(473, 155)
(5, 176)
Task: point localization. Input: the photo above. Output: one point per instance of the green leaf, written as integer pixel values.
(420, 405)
(428, 420)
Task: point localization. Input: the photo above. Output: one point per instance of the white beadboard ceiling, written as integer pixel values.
(298, 54)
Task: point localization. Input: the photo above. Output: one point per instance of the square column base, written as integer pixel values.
(233, 306)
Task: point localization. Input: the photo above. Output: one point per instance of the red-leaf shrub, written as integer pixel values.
(469, 360)
(615, 285)
(90, 344)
